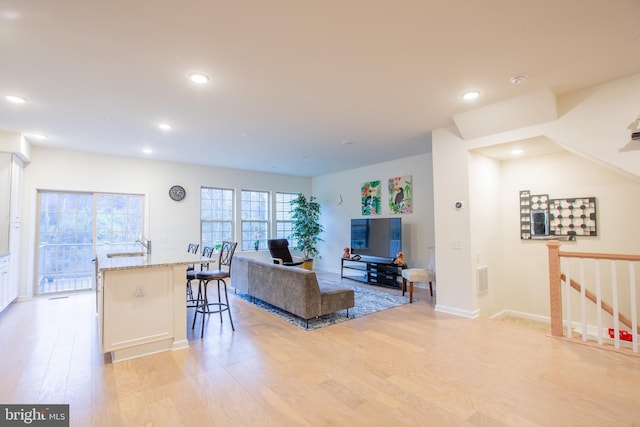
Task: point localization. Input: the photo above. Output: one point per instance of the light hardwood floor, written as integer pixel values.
(406, 366)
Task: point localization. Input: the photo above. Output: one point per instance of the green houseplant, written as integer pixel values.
(306, 227)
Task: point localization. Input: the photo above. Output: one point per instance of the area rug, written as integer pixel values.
(367, 301)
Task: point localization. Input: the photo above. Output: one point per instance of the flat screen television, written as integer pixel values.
(376, 237)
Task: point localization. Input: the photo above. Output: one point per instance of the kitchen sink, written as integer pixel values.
(125, 254)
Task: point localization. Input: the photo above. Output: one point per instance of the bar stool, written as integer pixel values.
(206, 276)
(207, 252)
(192, 248)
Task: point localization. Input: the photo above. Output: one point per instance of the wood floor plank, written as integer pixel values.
(405, 366)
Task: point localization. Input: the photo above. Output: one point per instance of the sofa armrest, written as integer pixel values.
(240, 273)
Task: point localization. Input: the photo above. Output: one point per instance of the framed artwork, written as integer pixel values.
(400, 195)
(370, 196)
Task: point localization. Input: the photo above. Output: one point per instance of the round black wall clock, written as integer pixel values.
(177, 193)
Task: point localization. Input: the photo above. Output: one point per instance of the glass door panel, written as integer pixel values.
(64, 242)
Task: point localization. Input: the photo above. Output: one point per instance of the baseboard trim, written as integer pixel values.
(521, 315)
(457, 312)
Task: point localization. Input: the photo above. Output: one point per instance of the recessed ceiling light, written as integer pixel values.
(199, 78)
(37, 136)
(10, 15)
(518, 79)
(470, 95)
(147, 150)
(165, 126)
(517, 151)
(15, 99)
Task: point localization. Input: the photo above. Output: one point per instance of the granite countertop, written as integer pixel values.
(155, 259)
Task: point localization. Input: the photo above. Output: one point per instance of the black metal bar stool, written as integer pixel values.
(207, 252)
(206, 276)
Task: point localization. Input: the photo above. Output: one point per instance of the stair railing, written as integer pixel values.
(559, 280)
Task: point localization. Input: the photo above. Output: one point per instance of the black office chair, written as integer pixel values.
(224, 272)
(279, 250)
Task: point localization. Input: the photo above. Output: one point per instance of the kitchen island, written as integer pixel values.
(142, 302)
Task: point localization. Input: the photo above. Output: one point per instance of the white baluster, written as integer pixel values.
(634, 310)
(614, 295)
(567, 293)
(583, 301)
(599, 302)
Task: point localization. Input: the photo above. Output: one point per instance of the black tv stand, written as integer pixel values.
(372, 270)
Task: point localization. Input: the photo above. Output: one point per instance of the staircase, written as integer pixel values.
(603, 310)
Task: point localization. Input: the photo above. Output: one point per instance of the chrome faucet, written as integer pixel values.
(146, 243)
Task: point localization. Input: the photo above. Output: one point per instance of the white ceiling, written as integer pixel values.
(530, 147)
(291, 80)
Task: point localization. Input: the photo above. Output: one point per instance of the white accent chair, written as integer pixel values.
(419, 275)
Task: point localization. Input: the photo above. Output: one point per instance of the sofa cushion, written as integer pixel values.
(240, 273)
(334, 298)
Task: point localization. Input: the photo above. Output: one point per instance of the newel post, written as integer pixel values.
(555, 291)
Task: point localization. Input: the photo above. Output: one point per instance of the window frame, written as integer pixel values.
(284, 232)
(254, 232)
(222, 220)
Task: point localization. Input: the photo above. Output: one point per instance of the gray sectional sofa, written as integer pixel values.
(292, 289)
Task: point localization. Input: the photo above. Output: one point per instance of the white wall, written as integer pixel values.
(560, 176)
(170, 224)
(595, 123)
(417, 233)
(485, 200)
(454, 265)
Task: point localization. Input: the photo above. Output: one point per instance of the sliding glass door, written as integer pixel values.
(70, 227)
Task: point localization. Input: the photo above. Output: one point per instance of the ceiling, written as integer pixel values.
(530, 147)
(297, 87)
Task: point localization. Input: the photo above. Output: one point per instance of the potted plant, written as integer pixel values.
(306, 227)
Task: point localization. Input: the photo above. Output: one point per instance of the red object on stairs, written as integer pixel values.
(624, 335)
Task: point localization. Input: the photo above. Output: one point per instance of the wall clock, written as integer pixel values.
(177, 193)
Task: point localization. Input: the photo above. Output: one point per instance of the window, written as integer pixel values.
(254, 206)
(216, 216)
(284, 223)
(118, 219)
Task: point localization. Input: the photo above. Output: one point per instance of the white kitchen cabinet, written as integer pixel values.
(10, 205)
(15, 208)
(5, 200)
(5, 293)
(142, 304)
(14, 263)
(146, 296)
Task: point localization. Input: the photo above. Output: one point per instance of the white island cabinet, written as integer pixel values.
(142, 303)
